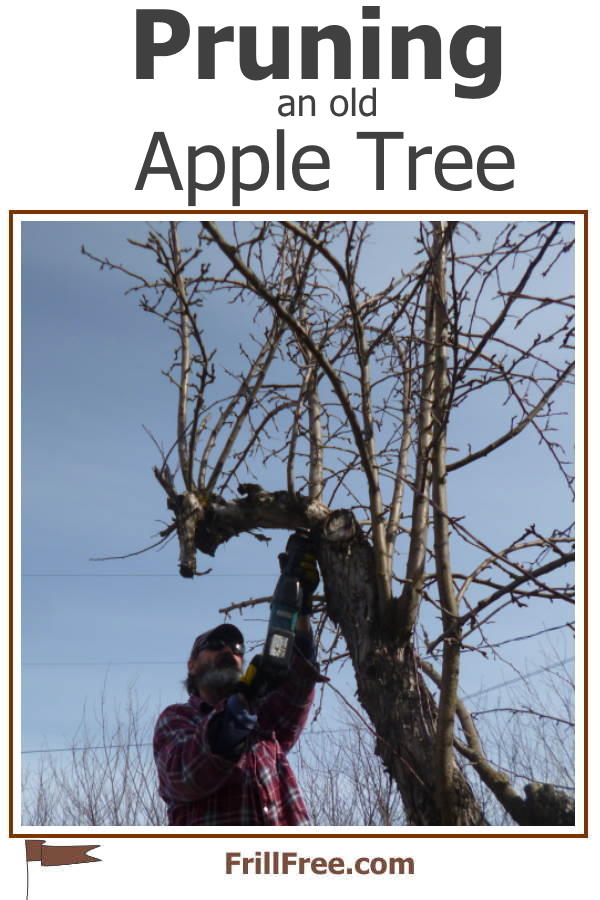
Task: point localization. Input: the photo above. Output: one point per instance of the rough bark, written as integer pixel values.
(390, 688)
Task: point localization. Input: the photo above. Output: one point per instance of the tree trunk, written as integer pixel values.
(390, 688)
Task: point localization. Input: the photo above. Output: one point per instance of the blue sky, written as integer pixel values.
(92, 378)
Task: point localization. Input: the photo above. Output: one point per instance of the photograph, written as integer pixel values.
(298, 515)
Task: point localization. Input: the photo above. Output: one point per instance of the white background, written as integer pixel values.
(76, 128)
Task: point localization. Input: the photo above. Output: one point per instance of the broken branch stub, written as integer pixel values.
(205, 521)
(188, 514)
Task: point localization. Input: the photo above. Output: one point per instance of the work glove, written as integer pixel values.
(229, 730)
(305, 570)
(258, 681)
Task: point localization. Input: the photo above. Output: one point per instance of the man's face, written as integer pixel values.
(216, 670)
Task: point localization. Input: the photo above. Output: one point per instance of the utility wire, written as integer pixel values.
(83, 749)
(322, 732)
(143, 575)
(108, 664)
(524, 677)
(329, 731)
(163, 662)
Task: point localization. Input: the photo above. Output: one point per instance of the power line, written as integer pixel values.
(307, 731)
(495, 687)
(151, 662)
(167, 662)
(83, 749)
(144, 575)
(328, 731)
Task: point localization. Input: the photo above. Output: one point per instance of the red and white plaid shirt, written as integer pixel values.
(202, 788)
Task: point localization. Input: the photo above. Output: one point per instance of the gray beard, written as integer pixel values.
(222, 679)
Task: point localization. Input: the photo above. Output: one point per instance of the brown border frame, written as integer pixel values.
(196, 213)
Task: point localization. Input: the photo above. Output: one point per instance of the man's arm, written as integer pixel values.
(188, 769)
(285, 709)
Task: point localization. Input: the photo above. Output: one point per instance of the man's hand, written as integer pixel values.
(229, 730)
(300, 562)
(256, 681)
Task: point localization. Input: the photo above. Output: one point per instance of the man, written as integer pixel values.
(222, 762)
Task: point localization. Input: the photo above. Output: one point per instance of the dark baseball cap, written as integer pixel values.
(226, 632)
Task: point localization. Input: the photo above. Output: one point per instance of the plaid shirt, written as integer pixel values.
(202, 788)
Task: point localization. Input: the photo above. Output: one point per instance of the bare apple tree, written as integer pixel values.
(367, 398)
